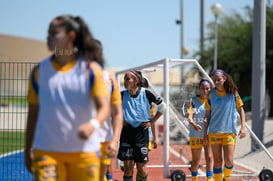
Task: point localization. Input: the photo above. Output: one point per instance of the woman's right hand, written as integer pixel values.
(197, 127)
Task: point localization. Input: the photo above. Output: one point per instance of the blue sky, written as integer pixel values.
(132, 32)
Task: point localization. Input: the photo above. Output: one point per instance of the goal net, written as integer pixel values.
(176, 80)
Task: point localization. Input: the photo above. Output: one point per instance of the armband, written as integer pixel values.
(161, 107)
(95, 123)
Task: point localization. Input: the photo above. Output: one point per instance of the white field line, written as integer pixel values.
(11, 153)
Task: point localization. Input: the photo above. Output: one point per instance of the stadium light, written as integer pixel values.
(216, 10)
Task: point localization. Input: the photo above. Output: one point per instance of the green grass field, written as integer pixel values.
(11, 141)
(21, 101)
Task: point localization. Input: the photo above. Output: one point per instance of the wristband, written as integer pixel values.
(95, 123)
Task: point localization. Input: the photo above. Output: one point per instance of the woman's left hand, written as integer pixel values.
(242, 133)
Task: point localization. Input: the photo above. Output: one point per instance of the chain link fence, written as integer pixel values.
(14, 78)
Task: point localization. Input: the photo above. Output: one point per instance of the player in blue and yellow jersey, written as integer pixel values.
(134, 139)
(222, 110)
(68, 101)
(196, 115)
(109, 133)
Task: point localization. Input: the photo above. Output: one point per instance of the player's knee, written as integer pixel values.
(209, 159)
(128, 171)
(131, 164)
(228, 161)
(128, 168)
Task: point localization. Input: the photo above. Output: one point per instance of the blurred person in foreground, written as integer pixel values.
(68, 102)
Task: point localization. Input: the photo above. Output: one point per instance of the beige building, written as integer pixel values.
(18, 49)
(18, 55)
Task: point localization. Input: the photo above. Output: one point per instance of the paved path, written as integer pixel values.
(156, 169)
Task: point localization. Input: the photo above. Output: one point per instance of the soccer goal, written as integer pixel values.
(176, 80)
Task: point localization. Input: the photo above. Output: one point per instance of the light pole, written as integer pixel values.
(181, 50)
(180, 22)
(202, 18)
(216, 10)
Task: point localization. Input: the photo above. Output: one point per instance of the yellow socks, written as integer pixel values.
(218, 175)
(227, 172)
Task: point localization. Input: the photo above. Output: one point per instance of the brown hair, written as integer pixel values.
(84, 41)
(229, 85)
(138, 74)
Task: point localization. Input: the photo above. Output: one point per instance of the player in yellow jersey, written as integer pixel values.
(109, 133)
(196, 120)
(68, 102)
(222, 109)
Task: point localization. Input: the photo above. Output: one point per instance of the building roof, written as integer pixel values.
(20, 49)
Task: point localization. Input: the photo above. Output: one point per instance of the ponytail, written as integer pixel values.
(84, 43)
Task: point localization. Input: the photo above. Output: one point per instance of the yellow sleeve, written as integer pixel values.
(239, 102)
(99, 88)
(152, 110)
(32, 97)
(115, 95)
